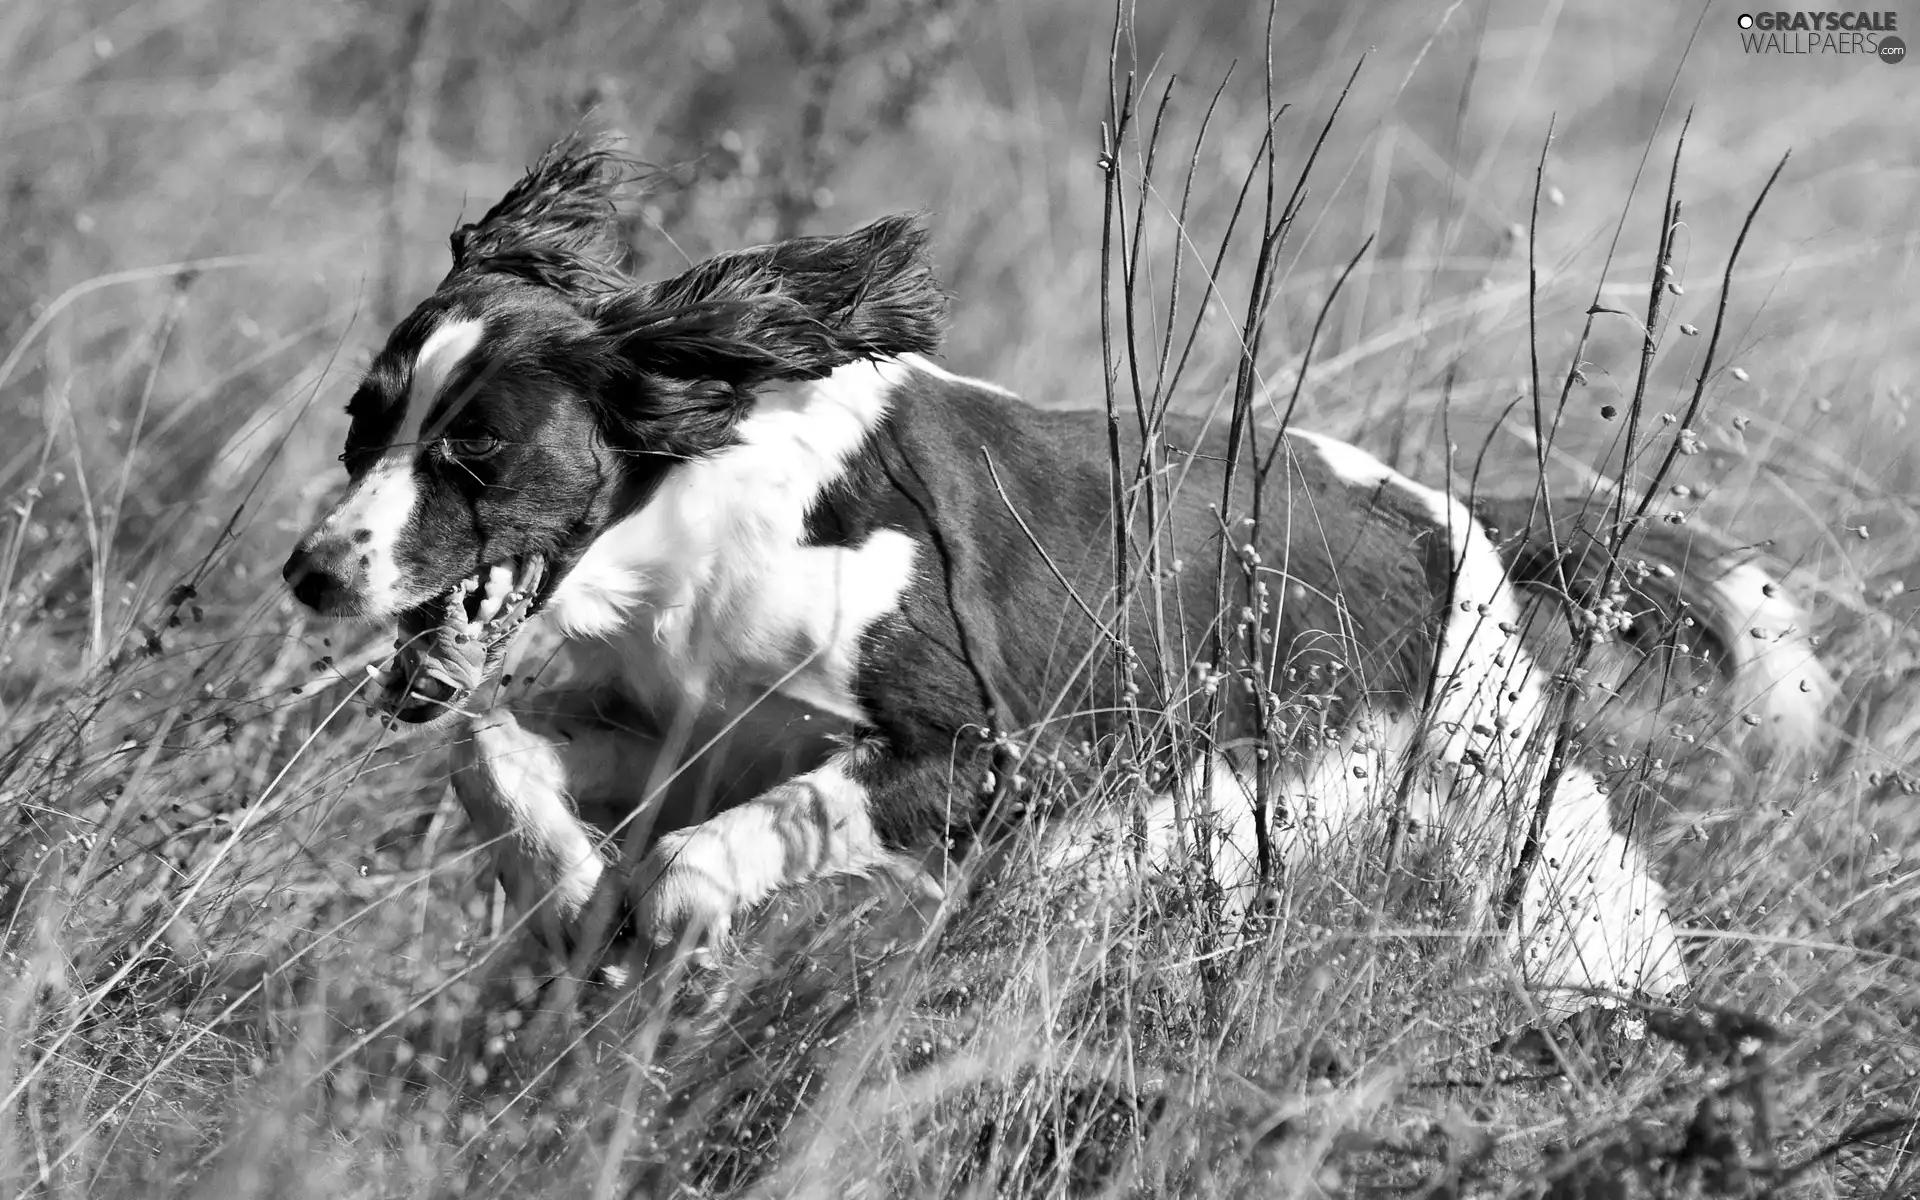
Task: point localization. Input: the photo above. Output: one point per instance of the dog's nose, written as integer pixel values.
(319, 572)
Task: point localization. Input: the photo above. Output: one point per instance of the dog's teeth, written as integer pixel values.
(499, 583)
(528, 578)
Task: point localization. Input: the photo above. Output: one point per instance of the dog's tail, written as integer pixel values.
(1686, 599)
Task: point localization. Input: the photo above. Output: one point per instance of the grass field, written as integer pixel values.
(249, 946)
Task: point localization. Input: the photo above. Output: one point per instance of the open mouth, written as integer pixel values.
(450, 645)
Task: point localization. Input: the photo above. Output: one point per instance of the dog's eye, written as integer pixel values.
(470, 448)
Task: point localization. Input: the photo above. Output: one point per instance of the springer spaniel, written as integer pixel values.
(765, 521)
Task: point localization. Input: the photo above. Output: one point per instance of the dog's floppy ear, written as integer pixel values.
(557, 227)
(797, 309)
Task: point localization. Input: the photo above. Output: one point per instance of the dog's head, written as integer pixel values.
(540, 395)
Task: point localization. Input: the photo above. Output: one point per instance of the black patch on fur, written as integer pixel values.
(797, 309)
(1681, 636)
(695, 348)
(1658, 601)
(860, 500)
(559, 227)
(988, 625)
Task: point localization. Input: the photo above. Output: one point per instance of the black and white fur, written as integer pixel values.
(754, 498)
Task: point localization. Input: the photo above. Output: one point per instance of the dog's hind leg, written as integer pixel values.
(1209, 819)
(1592, 917)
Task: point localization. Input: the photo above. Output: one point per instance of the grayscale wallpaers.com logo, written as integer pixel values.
(1863, 33)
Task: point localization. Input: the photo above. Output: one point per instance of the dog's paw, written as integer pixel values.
(683, 892)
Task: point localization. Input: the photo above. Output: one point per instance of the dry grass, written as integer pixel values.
(249, 945)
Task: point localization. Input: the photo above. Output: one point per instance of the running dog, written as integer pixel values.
(760, 515)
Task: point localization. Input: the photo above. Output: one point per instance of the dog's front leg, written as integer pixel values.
(520, 777)
(816, 825)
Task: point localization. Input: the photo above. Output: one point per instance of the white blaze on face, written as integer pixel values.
(375, 513)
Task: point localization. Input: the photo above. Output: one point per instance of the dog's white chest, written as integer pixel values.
(754, 615)
(710, 594)
(790, 622)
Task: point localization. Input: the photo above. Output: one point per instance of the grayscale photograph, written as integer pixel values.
(625, 599)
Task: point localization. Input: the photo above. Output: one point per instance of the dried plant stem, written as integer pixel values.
(1113, 137)
(1246, 384)
(1561, 752)
(1713, 346)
